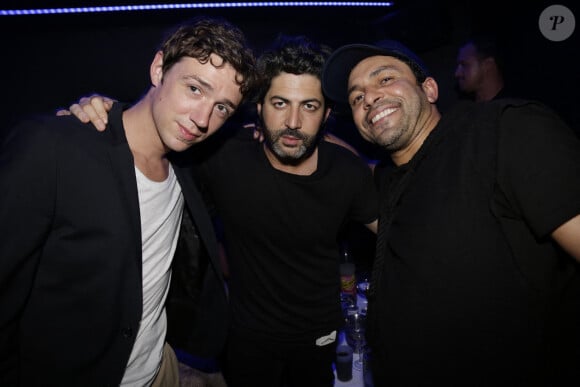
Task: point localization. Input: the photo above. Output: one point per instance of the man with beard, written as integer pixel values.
(283, 204)
(475, 280)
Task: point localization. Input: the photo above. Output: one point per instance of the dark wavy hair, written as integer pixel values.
(203, 36)
(290, 54)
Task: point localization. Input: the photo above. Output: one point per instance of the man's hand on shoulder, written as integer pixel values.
(91, 109)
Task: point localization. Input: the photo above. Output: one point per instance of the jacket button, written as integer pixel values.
(127, 332)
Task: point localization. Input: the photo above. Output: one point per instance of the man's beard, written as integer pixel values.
(296, 155)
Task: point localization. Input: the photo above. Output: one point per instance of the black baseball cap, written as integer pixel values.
(341, 62)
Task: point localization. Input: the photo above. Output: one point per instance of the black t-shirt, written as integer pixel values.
(281, 235)
(470, 278)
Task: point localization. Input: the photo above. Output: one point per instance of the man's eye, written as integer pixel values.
(385, 80)
(279, 104)
(310, 106)
(357, 99)
(194, 89)
(223, 110)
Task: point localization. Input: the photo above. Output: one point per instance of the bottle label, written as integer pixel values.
(348, 284)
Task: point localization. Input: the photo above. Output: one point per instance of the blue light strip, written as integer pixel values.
(152, 7)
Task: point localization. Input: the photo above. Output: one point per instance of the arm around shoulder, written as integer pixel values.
(373, 226)
(92, 109)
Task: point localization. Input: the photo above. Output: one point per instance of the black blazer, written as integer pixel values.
(70, 257)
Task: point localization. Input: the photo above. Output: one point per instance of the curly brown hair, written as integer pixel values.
(203, 36)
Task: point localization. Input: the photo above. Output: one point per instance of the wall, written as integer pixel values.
(49, 61)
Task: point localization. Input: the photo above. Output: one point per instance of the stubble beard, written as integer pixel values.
(398, 135)
(389, 137)
(304, 150)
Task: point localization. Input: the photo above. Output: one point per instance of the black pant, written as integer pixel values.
(267, 363)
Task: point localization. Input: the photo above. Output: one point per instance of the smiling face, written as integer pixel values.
(292, 114)
(389, 107)
(192, 100)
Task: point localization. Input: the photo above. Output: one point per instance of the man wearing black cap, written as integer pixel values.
(474, 282)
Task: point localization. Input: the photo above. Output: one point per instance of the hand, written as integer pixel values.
(258, 135)
(91, 109)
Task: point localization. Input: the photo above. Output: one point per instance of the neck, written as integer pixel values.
(142, 134)
(488, 91)
(425, 126)
(144, 141)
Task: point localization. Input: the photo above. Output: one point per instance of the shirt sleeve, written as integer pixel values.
(539, 167)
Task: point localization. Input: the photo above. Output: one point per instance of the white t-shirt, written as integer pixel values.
(161, 208)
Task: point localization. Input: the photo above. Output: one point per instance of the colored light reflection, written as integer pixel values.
(152, 7)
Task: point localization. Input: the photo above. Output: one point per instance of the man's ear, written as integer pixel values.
(431, 89)
(327, 114)
(259, 108)
(156, 69)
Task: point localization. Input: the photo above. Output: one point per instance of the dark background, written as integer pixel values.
(49, 61)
